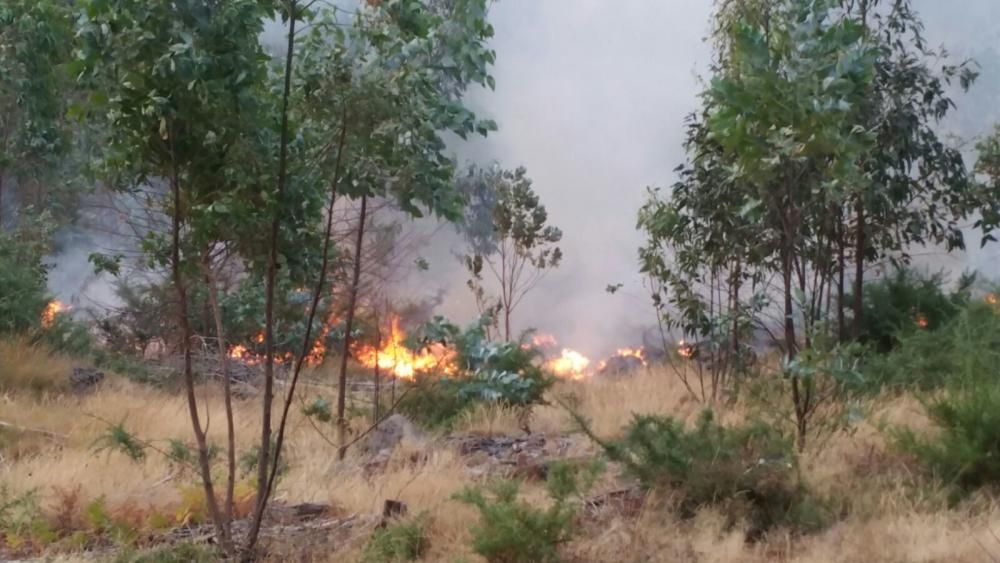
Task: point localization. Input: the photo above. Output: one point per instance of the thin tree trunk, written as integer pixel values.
(1, 200)
(841, 271)
(213, 299)
(376, 410)
(352, 302)
(263, 463)
(859, 266)
(221, 529)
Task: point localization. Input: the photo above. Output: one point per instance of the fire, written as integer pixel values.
(922, 321)
(570, 364)
(632, 353)
(51, 310)
(544, 341)
(395, 358)
(991, 299)
(685, 350)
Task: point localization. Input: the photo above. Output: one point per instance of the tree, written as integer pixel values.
(508, 235)
(184, 88)
(36, 41)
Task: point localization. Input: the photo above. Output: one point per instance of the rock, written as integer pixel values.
(83, 379)
(390, 433)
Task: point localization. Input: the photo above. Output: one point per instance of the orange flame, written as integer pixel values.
(685, 350)
(570, 364)
(922, 321)
(991, 299)
(395, 358)
(51, 310)
(543, 341)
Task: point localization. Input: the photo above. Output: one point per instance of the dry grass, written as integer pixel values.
(888, 519)
(32, 368)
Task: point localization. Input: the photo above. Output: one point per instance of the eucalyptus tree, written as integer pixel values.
(36, 41)
(186, 94)
(387, 85)
(508, 236)
(914, 189)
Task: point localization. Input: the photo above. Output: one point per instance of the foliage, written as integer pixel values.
(964, 452)
(505, 373)
(176, 553)
(508, 237)
(749, 470)
(906, 302)
(36, 42)
(397, 541)
(512, 531)
(965, 348)
(23, 275)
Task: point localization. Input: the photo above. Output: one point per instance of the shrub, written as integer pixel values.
(398, 541)
(965, 452)
(512, 531)
(907, 302)
(23, 277)
(966, 347)
(502, 373)
(177, 553)
(748, 470)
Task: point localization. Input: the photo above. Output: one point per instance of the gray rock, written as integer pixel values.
(83, 379)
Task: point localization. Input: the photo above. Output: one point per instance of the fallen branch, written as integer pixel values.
(42, 431)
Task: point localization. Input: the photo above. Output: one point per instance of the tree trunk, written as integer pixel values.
(859, 267)
(221, 529)
(352, 302)
(213, 299)
(264, 461)
(841, 271)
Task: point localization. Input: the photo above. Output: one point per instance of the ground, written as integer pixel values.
(50, 446)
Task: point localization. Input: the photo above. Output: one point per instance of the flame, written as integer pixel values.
(685, 350)
(51, 310)
(395, 358)
(543, 341)
(922, 321)
(570, 364)
(991, 299)
(638, 353)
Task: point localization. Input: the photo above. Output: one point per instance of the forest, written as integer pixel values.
(268, 293)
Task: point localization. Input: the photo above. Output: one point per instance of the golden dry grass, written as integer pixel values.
(888, 520)
(26, 367)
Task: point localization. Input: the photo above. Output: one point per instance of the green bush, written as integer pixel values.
(399, 541)
(965, 452)
(512, 531)
(966, 347)
(747, 470)
(177, 553)
(23, 277)
(505, 373)
(908, 302)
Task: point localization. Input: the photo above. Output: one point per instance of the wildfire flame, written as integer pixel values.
(685, 350)
(922, 321)
(543, 341)
(570, 364)
(991, 299)
(395, 358)
(51, 310)
(632, 353)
